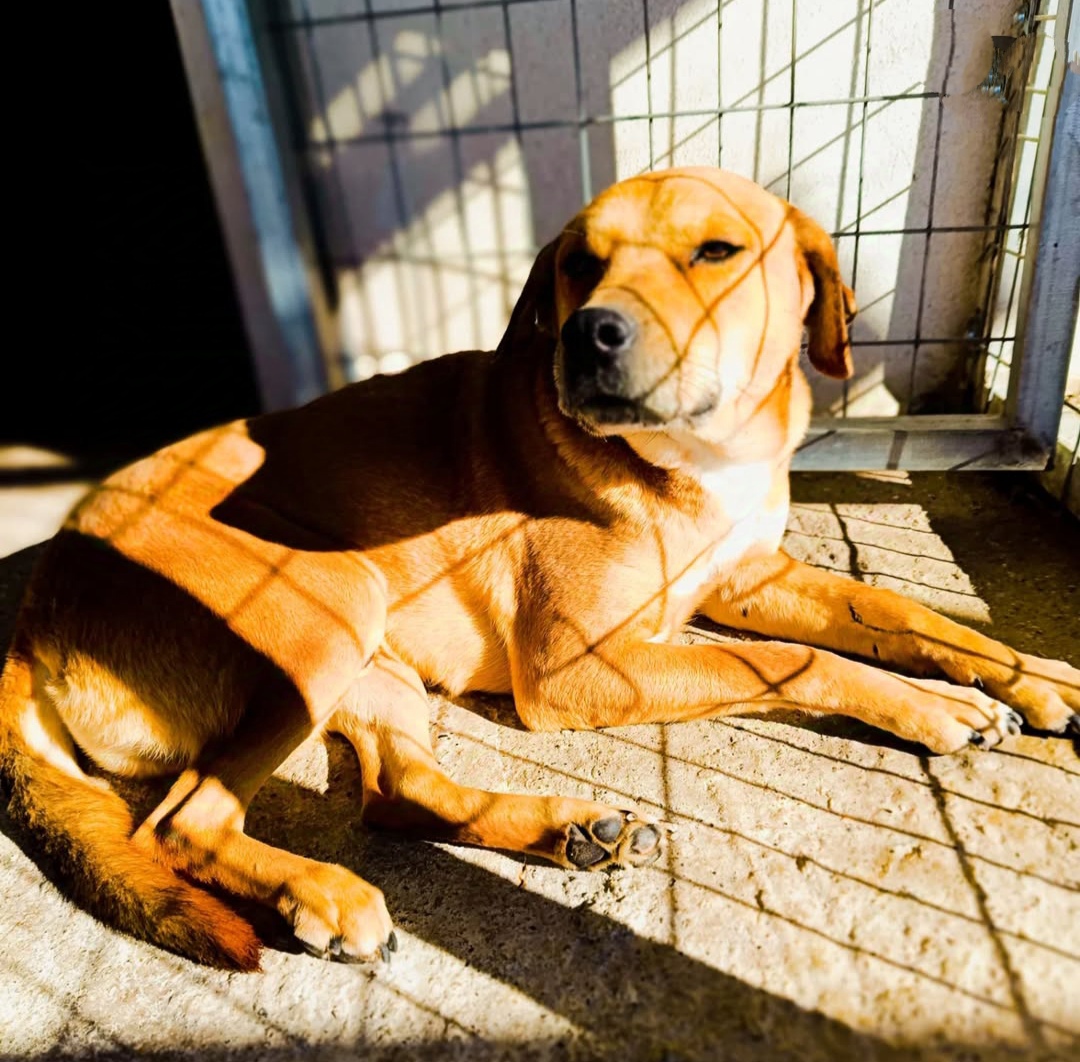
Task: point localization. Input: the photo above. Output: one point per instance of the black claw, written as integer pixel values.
(607, 830)
(977, 739)
(334, 947)
(384, 953)
(581, 851)
(1014, 722)
(391, 941)
(1074, 723)
(646, 838)
(977, 682)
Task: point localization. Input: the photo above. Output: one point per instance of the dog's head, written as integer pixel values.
(673, 295)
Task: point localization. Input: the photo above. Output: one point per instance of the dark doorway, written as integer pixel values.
(140, 337)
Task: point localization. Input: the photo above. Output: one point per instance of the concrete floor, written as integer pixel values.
(826, 894)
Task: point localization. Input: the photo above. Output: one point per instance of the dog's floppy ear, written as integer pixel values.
(833, 305)
(534, 312)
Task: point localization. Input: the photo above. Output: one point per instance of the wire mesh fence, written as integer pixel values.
(439, 143)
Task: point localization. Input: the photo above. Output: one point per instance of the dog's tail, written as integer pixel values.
(85, 827)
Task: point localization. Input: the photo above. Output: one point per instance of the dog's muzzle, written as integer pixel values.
(596, 370)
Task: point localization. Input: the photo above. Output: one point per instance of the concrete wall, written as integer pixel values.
(432, 232)
(1063, 480)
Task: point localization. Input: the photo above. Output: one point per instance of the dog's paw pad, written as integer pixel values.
(615, 840)
(581, 851)
(608, 830)
(645, 840)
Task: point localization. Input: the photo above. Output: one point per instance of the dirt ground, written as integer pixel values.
(826, 893)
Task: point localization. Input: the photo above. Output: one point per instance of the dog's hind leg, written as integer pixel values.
(385, 718)
(199, 830)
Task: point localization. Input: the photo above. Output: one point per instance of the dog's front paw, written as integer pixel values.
(1045, 692)
(336, 915)
(616, 840)
(948, 718)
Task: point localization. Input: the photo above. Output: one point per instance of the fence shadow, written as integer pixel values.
(630, 996)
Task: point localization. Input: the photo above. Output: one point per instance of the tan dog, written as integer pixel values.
(538, 521)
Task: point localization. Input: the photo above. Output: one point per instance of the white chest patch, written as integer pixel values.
(739, 492)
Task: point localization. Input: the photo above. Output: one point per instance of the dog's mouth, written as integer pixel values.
(599, 402)
(616, 411)
(613, 413)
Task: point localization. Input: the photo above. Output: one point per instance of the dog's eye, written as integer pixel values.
(579, 264)
(714, 251)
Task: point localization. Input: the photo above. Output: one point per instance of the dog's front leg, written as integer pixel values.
(385, 717)
(784, 598)
(616, 682)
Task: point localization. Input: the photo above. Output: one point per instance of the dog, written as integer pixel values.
(539, 521)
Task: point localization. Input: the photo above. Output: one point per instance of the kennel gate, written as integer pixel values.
(386, 169)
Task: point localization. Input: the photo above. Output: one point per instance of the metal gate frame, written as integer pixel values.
(265, 214)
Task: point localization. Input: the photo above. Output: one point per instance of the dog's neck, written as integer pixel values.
(744, 499)
(679, 450)
(709, 466)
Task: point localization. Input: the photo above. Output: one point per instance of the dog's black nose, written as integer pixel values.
(604, 334)
(596, 377)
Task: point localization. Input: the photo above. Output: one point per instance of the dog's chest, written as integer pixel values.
(742, 516)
